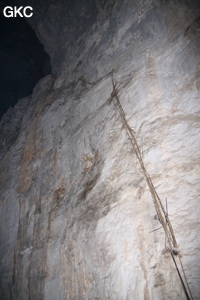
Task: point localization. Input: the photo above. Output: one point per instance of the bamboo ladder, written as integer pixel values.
(160, 209)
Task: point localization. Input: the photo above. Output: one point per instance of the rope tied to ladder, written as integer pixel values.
(160, 209)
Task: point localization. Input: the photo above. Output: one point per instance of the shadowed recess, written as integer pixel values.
(23, 61)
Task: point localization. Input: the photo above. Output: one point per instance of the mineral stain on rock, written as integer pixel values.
(77, 216)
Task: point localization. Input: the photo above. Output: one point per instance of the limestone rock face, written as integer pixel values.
(77, 216)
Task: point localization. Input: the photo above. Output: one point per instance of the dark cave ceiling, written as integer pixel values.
(59, 24)
(23, 61)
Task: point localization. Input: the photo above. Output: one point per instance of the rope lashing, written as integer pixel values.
(160, 210)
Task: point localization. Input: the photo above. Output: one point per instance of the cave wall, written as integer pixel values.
(77, 216)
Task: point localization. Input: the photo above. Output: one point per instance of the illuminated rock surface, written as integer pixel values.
(77, 216)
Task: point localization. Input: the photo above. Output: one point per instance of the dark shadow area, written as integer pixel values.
(23, 61)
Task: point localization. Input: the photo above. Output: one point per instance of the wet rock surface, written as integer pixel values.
(77, 217)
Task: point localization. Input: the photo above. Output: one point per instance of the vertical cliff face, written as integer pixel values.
(100, 165)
